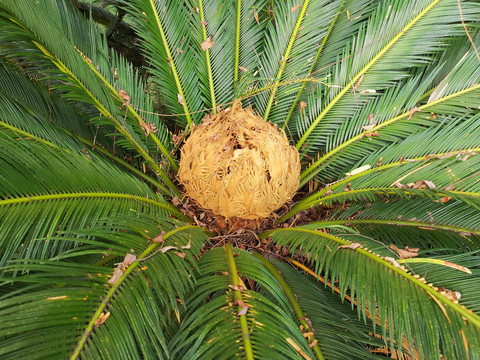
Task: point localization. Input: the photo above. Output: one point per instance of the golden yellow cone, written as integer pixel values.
(236, 164)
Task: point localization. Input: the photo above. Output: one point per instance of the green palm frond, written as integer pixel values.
(104, 254)
(416, 126)
(214, 317)
(371, 278)
(84, 287)
(75, 54)
(47, 190)
(369, 73)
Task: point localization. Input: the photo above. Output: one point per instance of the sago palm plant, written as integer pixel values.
(367, 110)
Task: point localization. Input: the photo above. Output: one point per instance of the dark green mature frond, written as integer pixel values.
(72, 51)
(441, 125)
(381, 64)
(165, 30)
(45, 191)
(340, 333)
(372, 280)
(28, 107)
(73, 294)
(292, 43)
(212, 325)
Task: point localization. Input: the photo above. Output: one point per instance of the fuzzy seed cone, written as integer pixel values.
(236, 164)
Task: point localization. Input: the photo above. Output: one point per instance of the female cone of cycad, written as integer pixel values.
(236, 164)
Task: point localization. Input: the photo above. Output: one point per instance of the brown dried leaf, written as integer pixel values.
(405, 254)
(423, 184)
(369, 127)
(207, 44)
(413, 111)
(241, 303)
(197, 10)
(243, 69)
(126, 99)
(181, 254)
(359, 82)
(166, 248)
(352, 246)
(188, 246)
(372, 134)
(148, 127)
(129, 258)
(394, 262)
(294, 8)
(176, 201)
(450, 187)
(445, 199)
(237, 287)
(243, 311)
(117, 274)
(347, 187)
(430, 184)
(158, 238)
(256, 17)
(101, 319)
(370, 118)
(180, 99)
(303, 105)
(379, 162)
(204, 23)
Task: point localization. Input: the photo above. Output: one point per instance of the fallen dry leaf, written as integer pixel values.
(237, 287)
(148, 128)
(413, 111)
(180, 99)
(294, 8)
(422, 184)
(359, 82)
(117, 274)
(126, 99)
(204, 23)
(368, 127)
(303, 105)
(180, 254)
(256, 17)
(445, 199)
(119, 270)
(158, 238)
(243, 311)
(207, 44)
(405, 253)
(166, 248)
(101, 319)
(394, 262)
(243, 69)
(188, 246)
(352, 246)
